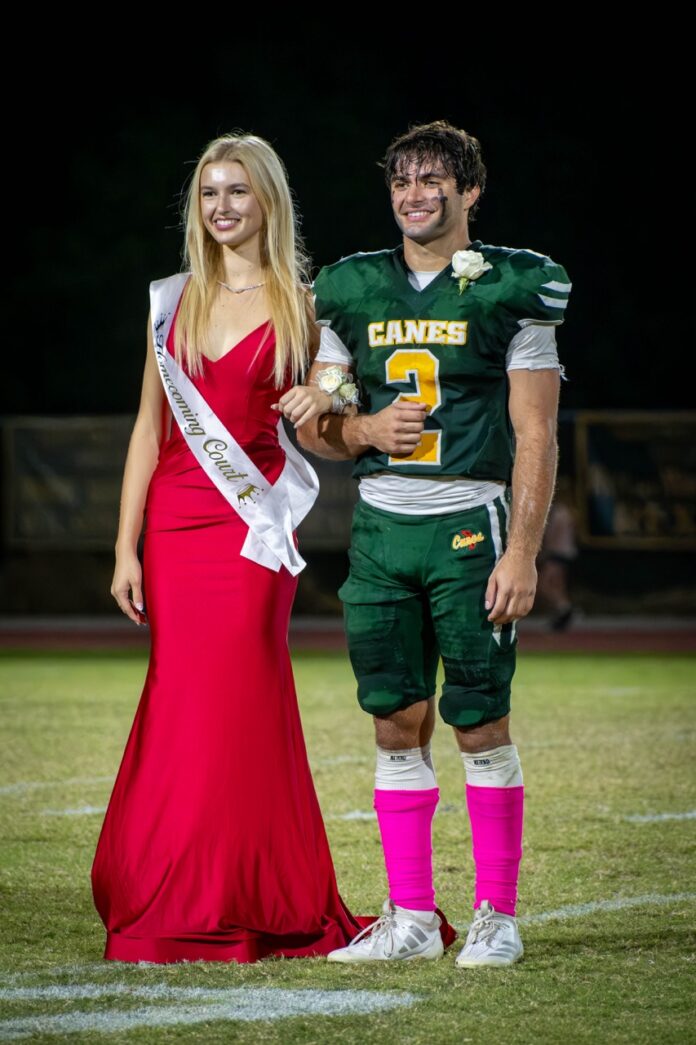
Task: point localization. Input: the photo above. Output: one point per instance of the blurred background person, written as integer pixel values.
(559, 550)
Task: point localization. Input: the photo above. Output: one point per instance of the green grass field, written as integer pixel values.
(603, 739)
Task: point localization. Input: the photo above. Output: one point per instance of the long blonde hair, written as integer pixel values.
(284, 263)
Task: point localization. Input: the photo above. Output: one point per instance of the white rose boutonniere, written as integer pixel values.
(468, 265)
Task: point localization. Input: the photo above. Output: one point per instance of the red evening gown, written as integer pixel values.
(213, 845)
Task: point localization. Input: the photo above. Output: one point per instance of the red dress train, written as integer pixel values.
(213, 845)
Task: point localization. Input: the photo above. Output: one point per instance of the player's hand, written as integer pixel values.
(128, 578)
(398, 428)
(511, 588)
(302, 403)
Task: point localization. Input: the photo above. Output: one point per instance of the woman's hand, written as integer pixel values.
(128, 578)
(302, 403)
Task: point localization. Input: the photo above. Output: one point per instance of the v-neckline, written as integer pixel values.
(234, 347)
(404, 270)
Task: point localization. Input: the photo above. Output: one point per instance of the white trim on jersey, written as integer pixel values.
(553, 302)
(554, 284)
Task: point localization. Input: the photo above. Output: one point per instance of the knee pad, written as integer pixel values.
(379, 693)
(385, 652)
(477, 692)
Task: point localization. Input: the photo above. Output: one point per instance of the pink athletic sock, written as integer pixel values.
(405, 821)
(496, 833)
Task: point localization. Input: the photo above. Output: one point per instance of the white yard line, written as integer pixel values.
(23, 786)
(579, 910)
(354, 814)
(163, 992)
(80, 811)
(658, 818)
(200, 1005)
(367, 814)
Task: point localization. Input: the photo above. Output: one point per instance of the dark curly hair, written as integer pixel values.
(456, 151)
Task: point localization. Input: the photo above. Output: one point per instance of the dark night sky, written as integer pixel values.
(582, 165)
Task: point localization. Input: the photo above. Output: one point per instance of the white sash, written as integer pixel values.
(272, 512)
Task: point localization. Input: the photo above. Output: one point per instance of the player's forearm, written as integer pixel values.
(533, 479)
(336, 437)
(143, 453)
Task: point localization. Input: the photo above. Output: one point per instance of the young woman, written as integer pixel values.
(213, 845)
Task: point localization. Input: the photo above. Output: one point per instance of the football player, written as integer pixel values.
(453, 343)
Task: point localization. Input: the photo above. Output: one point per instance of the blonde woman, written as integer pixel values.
(213, 845)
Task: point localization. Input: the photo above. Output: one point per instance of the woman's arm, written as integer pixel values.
(396, 429)
(302, 403)
(143, 452)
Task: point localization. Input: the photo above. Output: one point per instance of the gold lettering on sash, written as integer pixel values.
(193, 425)
(215, 449)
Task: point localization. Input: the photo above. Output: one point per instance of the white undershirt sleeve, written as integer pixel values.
(533, 348)
(332, 349)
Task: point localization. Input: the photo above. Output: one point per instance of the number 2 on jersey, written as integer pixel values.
(422, 367)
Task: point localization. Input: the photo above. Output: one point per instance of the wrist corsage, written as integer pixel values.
(468, 265)
(339, 385)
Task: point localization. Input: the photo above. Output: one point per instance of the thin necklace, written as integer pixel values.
(240, 290)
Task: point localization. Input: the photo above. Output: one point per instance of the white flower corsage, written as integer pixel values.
(339, 385)
(468, 265)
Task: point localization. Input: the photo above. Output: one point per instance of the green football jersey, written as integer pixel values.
(440, 347)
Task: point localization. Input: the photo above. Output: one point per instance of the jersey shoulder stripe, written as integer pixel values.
(532, 286)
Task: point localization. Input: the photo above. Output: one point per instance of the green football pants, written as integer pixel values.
(415, 592)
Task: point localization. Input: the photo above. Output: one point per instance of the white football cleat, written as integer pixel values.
(493, 939)
(398, 935)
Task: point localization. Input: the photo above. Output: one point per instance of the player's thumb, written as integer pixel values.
(137, 597)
